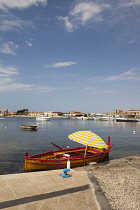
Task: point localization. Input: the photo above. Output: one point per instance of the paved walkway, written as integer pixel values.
(113, 185)
(46, 191)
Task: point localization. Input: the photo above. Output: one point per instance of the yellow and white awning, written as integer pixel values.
(88, 138)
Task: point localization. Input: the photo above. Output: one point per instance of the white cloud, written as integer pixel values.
(131, 41)
(82, 13)
(49, 89)
(8, 82)
(60, 64)
(20, 4)
(104, 15)
(5, 81)
(28, 43)
(105, 91)
(8, 71)
(130, 3)
(69, 26)
(88, 11)
(8, 48)
(11, 86)
(95, 91)
(129, 75)
(10, 23)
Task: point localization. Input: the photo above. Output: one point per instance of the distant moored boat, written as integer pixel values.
(126, 120)
(29, 127)
(43, 117)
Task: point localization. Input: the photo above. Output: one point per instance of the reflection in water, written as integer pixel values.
(14, 142)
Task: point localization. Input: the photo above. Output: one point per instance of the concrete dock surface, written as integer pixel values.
(110, 185)
(46, 190)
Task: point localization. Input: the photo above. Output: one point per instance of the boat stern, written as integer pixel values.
(25, 161)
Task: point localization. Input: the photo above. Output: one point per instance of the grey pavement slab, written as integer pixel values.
(46, 190)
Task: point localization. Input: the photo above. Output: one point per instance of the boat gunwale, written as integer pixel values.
(55, 160)
(66, 150)
(28, 125)
(36, 157)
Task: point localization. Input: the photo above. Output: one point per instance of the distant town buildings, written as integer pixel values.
(116, 113)
(134, 112)
(52, 114)
(76, 113)
(3, 112)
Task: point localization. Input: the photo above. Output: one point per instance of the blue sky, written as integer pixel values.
(58, 55)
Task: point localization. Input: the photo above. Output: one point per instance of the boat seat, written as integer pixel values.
(65, 175)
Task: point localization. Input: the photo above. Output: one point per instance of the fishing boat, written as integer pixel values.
(29, 127)
(106, 118)
(82, 118)
(126, 120)
(79, 156)
(65, 117)
(43, 117)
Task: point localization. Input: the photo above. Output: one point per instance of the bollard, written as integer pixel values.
(65, 175)
(68, 161)
(68, 164)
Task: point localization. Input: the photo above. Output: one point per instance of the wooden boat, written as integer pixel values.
(82, 118)
(106, 118)
(126, 120)
(65, 117)
(79, 156)
(29, 127)
(43, 117)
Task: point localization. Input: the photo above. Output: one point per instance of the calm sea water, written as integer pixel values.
(15, 142)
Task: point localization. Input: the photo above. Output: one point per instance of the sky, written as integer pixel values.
(70, 55)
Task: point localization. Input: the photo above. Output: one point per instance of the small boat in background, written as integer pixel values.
(90, 118)
(65, 117)
(82, 118)
(126, 120)
(106, 118)
(29, 127)
(43, 117)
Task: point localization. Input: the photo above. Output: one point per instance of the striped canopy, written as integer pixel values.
(88, 138)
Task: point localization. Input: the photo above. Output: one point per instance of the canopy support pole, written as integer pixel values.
(85, 150)
(85, 154)
(108, 143)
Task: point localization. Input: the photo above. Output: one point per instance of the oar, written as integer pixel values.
(57, 146)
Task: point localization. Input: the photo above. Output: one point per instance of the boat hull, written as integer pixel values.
(126, 120)
(38, 162)
(29, 127)
(42, 118)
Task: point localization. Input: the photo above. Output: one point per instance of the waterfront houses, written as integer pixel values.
(3, 112)
(116, 113)
(134, 113)
(53, 114)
